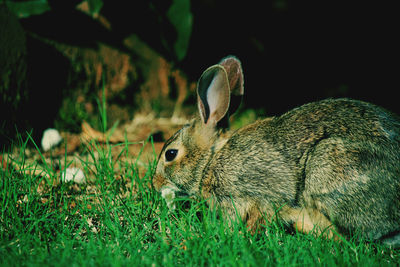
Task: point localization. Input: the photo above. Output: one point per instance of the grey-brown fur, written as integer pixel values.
(328, 164)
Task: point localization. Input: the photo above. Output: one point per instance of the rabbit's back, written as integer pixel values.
(287, 141)
(354, 120)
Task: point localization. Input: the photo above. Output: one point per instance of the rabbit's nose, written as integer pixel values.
(158, 182)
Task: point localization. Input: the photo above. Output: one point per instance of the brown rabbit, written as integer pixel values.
(332, 164)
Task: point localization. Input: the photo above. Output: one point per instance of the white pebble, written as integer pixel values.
(73, 174)
(51, 137)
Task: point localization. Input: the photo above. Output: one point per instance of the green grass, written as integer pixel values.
(122, 221)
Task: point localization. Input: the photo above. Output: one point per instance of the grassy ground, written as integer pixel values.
(117, 219)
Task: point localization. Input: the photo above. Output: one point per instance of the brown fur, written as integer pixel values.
(328, 166)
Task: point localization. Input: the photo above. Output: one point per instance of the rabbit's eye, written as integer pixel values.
(170, 154)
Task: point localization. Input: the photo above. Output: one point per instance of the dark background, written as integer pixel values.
(303, 51)
(292, 52)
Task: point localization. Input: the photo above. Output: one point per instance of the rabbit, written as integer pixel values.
(330, 167)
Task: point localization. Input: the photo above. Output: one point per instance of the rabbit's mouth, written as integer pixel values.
(169, 193)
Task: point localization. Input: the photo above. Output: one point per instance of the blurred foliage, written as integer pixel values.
(180, 16)
(27, 8)
(246, 116)
(24, 9)
(71, 114)
(95, 6)
(13, 73)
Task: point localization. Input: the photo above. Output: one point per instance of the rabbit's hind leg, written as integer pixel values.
(355, 185)
(308, 220)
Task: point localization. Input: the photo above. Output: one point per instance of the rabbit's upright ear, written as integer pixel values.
(214, 90)
(213, 95)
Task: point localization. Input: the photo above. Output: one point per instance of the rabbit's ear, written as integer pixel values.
(220, 91)
(233, 68)
(213, 94)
